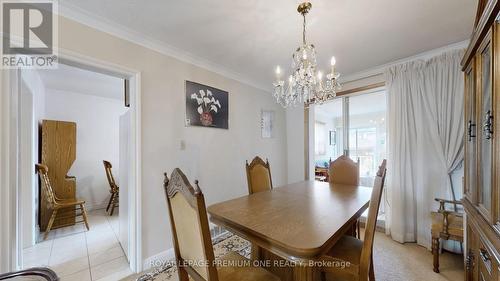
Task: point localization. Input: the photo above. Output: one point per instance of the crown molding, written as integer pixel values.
(79, 15)
(374, 71)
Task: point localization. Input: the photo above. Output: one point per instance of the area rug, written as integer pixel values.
(223, 244)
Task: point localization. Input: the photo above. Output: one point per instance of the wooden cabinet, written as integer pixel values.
(471, 126)
(481, 66)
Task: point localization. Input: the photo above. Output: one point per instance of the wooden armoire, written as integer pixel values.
(481, 66)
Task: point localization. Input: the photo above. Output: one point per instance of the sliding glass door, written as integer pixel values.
(367, 133)
(353, 126)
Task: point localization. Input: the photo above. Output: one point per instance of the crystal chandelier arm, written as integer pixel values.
(304, 30)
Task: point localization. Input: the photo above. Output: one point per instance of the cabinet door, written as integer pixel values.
(485, 136)
(470, 186)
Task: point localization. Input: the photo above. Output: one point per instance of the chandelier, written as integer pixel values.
(305, 84)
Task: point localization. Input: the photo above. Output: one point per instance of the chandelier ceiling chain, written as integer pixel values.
(305, 84)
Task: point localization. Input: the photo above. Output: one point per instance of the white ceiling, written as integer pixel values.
(251, 37)
(71, 79)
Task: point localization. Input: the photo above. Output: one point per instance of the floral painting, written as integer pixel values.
(206, 106)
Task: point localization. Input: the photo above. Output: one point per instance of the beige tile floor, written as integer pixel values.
(79, 255)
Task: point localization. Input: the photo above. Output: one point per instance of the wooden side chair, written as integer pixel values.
(344, 170)
(58, 205)
(447, 225)
(259, 175)
(113, 188)
(359, 253)
(192, 242)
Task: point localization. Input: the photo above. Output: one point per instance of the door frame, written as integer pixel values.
(10, 237)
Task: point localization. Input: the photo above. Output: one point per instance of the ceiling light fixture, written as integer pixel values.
(305, 84)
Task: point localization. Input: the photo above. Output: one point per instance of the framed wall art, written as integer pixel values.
(206, 106)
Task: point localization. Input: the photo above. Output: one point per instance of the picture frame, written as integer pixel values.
(206, 106)
(333, 137)
(267, 124)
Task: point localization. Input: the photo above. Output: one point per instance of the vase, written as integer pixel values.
(206, 119)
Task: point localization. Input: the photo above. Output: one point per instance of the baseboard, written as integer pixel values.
(159, 259)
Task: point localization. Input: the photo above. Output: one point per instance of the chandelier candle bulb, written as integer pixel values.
(333, 61)
(278, 73)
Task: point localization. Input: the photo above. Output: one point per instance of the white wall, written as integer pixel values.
(97, 131)
(214, 156)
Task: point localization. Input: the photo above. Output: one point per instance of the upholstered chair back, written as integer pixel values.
(258, 175)
(189, 222)
(344, 171)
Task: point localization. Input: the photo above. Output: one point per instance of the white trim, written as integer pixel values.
(81, 16)
(8, 220)
(159, 259)
(8, 179)
(377, 70)
(135, 211)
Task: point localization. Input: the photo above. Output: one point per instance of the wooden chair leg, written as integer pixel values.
(84, 214)
(183, 275)
(359, 229)
(113, 204)
(372, 269)
(435, 253)
(110, 201)
(49, 225)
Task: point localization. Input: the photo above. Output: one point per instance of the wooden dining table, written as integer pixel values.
(291, 226)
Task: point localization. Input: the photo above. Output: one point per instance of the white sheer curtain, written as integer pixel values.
(425, 109)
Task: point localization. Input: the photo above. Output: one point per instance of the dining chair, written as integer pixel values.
(113, 188)
(259, 175)
(344, 170)
(356, 254)
(58, 205)
(446, 225)
(192, 242)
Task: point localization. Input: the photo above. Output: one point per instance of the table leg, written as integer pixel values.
(256, 253)
(304, 273)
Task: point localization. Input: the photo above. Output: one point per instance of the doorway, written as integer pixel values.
(91, 104)
(14, 165)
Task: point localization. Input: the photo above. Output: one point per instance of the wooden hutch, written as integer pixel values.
(481, 65)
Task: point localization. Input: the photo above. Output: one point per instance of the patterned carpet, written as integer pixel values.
(393, 261)
(222, 244)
